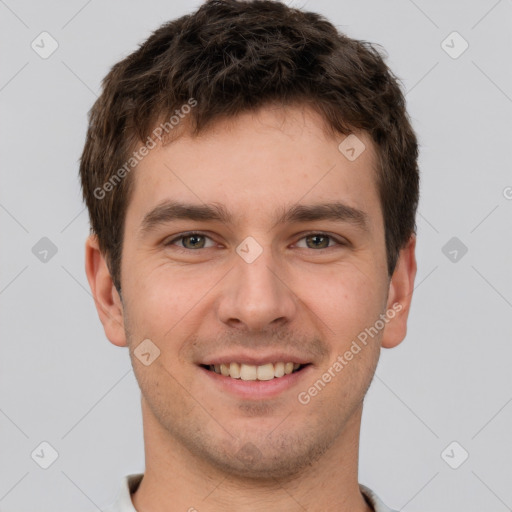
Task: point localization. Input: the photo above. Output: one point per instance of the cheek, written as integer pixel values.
(346, 299)
(160, 297)
(159, 310)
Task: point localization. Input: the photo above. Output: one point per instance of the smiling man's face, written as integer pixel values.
(271, 275)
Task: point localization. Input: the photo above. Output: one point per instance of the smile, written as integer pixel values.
(249, 372)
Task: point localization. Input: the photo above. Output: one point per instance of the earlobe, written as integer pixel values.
(106, 298)
(399, 300)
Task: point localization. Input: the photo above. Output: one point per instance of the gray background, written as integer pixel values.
(62, 382)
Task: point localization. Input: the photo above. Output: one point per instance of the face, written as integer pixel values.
(231, 257)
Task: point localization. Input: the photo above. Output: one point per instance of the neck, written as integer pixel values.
(176, 479)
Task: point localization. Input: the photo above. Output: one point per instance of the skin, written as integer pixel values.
(205, 447)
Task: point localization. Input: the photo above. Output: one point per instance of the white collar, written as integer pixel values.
(123, 502)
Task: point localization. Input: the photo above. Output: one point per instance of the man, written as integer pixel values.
(251, 178)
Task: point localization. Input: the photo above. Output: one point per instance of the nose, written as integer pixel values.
(256, 296)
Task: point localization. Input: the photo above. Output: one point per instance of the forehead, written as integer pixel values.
(255, 165)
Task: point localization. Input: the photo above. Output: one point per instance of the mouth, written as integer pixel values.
(250, 372)
(254, 376)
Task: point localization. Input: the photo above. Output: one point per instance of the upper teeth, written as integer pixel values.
(253, 372)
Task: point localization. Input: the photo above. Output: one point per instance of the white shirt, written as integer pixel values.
(123, 502)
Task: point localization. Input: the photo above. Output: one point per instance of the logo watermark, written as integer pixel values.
(137, 156)
(341, 361)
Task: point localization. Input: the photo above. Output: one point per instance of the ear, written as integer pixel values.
(107, 299)
(401, 287)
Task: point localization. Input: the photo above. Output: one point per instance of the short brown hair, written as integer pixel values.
(234, 56)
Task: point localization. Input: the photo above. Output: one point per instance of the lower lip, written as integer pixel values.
(257, 389)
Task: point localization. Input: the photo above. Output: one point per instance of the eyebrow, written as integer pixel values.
(169, 211)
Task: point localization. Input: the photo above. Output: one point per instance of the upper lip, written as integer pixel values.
(255, 359)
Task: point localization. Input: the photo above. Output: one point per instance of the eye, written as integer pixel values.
(320, 241)
(191, 240)
(197, 240)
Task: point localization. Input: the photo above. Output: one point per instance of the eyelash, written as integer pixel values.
(340, 242)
